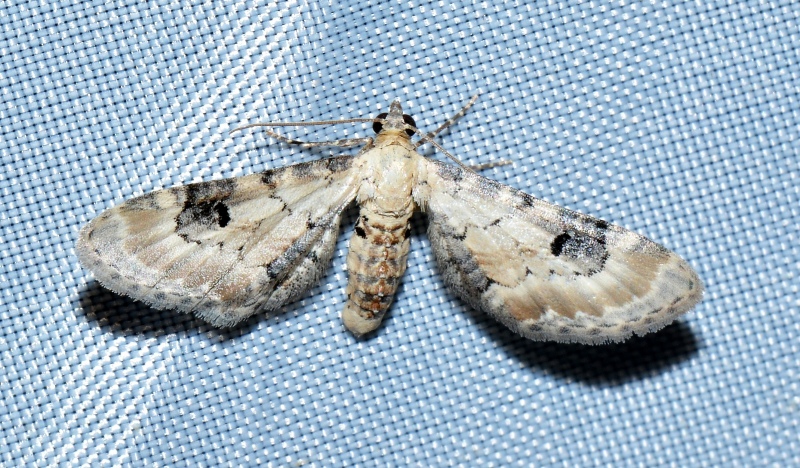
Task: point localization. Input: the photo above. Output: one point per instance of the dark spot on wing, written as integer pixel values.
(360, 232)
(557, 246)
(209, 191)
(143, 203)
(202, 216)
(275, 268)
(450, 172)
(586, 253)
(524, 200)
(483, 286)
(270, 178)
(303, 170)
(204, 209)
(339, 164)
(223, 217)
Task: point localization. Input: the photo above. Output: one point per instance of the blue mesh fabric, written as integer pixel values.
(677, 119)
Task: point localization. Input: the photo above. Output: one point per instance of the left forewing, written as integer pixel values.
(227, 248)
(547, 272)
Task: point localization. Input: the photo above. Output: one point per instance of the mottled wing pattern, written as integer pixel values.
(547, 272)
(223, 249)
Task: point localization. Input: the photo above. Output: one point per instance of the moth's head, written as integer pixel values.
(394, 122)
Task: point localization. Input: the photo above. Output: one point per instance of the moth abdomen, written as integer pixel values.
(376, 261)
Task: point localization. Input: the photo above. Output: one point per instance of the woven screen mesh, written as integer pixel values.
(677, 119)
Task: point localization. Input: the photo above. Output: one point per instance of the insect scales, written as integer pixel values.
(227, 249)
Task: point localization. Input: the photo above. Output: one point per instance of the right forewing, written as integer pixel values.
(547, 272)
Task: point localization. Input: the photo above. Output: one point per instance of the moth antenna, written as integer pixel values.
(299, 124)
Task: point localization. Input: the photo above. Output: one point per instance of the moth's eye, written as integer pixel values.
(408, 120)
(377, 125)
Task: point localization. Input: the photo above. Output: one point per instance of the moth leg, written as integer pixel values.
(489, 165)
(370, 144)
(344, 143)
(429, 136)
(453, 158)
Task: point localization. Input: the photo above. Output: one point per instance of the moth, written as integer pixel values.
(227, 249)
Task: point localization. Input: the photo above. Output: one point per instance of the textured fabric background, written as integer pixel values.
(677, 119)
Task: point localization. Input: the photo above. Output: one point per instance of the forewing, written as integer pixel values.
(223, 249)
(547, 272)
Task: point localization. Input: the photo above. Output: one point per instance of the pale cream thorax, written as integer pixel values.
(389, 170)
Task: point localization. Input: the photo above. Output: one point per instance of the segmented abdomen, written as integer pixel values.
(375, 263)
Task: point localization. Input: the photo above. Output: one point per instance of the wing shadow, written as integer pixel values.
(604, 365)
(122, 315)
